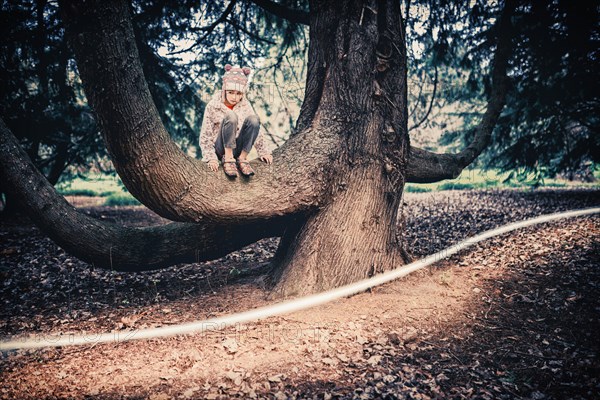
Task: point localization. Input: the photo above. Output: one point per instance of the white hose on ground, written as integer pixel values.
(285, 307)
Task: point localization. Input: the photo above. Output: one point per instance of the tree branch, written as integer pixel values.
(435, 83)
(151, 165)
(407, 12)
(247, 32)
(208, 29)
(295, 16)
(108, 245)
(425, 166)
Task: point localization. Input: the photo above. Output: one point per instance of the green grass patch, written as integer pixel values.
(78, 192)
(108, 186)
(92, 185)
(412, 188)
(555, 184)
(455, 186)
(121, 199)
(469, 179)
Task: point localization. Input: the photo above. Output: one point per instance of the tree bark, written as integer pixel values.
(360, 48)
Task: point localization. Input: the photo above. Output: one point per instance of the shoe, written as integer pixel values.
(245, 168)
(230, 169)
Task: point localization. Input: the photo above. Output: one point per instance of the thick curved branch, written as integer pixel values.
(425, 166)
(108, 245)
(295, 16)
(151, 165)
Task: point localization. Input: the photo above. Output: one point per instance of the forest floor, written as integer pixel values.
(516, 316)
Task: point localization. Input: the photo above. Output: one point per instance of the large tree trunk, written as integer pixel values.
(358, 51)
(341, 174)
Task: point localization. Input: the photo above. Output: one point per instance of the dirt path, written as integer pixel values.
(514, 317)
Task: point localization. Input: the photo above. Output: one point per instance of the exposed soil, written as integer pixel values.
(517, 316)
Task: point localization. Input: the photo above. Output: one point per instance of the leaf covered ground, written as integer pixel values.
(514, 317)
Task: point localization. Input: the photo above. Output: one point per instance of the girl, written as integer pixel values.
(230, 127)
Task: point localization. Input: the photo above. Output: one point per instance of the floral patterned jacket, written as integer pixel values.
(211, 126)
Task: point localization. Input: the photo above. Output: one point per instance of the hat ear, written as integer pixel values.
(246, 70)
(228, 67)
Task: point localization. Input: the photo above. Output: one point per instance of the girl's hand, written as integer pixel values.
(213, 165)
(268, 159)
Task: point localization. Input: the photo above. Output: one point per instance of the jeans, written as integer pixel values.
(245, 140)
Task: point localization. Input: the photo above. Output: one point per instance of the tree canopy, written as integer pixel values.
(550, 123)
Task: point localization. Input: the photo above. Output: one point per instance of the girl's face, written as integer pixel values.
(233, 96)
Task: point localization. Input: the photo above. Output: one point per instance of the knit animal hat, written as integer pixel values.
(235, 78)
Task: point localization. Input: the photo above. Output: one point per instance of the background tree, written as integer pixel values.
(41, 97)
(550, 124)
(553, 121)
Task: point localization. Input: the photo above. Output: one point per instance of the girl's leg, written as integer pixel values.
(247, 137)
(226, 143)
(245, 141)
